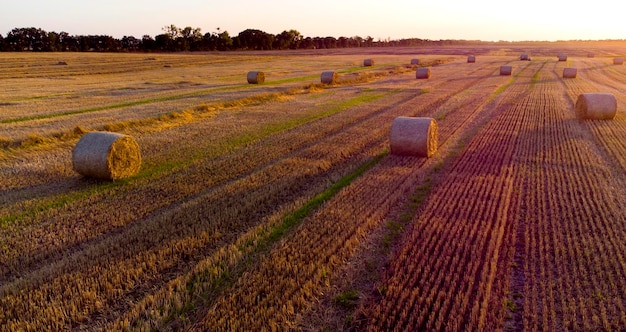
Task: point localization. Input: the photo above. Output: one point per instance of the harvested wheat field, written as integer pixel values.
(278, 206)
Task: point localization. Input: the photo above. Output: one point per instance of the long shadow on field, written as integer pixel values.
(59, 186)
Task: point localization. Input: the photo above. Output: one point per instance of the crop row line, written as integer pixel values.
(568, 215)
(445, 275)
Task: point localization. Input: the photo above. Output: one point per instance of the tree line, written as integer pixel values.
(188, 39)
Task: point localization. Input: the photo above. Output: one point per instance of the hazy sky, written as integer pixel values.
(380, 19)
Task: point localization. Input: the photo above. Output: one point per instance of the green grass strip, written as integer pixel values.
(198, 284)
(296, 217)
(536, 76)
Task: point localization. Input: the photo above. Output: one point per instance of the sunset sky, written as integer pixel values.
(395, 19)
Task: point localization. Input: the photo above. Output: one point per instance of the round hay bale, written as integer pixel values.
(471, 59)
(506, 70)
(413, 136)
(524, 57)
(569, 72)
(562, 57)
(415, 62)
(596, 106)
(618, 61)
(368, 62)
(256, 77)
(590, 55)
(329, 77)
(106, 155)
(422, 73)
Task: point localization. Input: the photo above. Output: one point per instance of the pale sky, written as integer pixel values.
(396, 19)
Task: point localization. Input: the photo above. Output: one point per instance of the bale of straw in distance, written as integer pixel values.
(506, 70)
(106, 155)
(415, 61)
(596, 106)
(422, 73)
(256, 77)
(618, 61)
(562, 57)
(590, 55)
(569, 72)
(524, 56)
(368, 62)
(329, 77)
(471, 58)
(413, 136)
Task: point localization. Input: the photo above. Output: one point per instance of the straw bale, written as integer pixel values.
(562, 57)
(329, 77)
(414, 136)
(471, 58)
(256, 77)
(524, 57)
(590, 55)
(596, 106)
(368, 62)
(106, 155)
(422, 73)
(569, 72)
(506, 70)
(415, 61)
(618, 61)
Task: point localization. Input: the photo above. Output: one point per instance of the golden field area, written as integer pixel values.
(277, 206)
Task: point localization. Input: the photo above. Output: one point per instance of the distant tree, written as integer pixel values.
(2, 47)
(62, 40)
(281, 41)
(224, 42)
(172, 31)
(190, 39)
(69, 43)
(167, 41)
(147, 43)
(254, 39)
(96, 43)
(306, 43)
(343, 42)
(326, 42)
(180, 40)
(356, 41)
(318, 42)
(287, 40)
(104, 43)
(130, 43)
(163, 42)
(27, 39)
